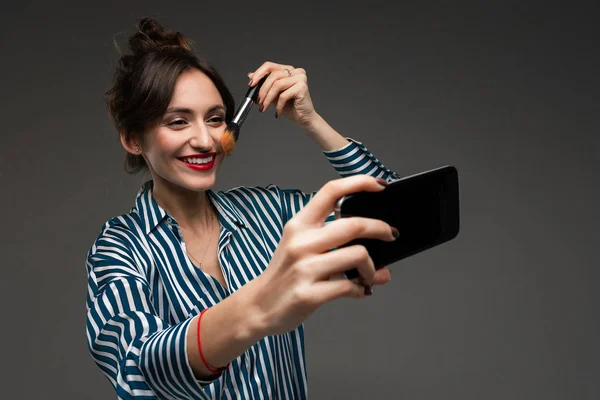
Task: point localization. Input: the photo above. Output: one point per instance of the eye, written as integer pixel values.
(177, 123)
(216, 120)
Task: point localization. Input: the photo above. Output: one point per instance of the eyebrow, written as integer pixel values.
(190, 111)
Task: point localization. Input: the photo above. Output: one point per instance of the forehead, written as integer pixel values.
(194, 89)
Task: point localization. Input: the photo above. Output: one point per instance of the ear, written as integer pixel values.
(132, 146)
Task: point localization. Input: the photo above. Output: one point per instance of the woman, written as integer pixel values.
(202, 294)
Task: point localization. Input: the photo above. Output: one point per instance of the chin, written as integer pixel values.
(201, 183)
(194, 184)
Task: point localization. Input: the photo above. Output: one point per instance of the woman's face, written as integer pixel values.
(183, 149)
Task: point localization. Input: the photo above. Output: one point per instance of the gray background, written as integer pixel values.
(504, 91)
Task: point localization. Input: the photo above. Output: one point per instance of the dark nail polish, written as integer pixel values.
(368, 290)
(382, 182)
(276, 116)
(395, 233)
(261, 108)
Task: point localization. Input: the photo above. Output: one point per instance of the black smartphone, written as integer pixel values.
(423, 207)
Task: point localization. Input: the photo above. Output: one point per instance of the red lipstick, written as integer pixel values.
(199, 167)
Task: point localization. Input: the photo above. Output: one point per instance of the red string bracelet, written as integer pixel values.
(211, 370)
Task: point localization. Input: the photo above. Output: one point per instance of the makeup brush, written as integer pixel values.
(230, 136)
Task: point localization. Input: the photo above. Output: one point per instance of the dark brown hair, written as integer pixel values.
(144, 81)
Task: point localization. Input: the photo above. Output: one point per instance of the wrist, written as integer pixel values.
(255, 319)
(324, 135)
(314, 124)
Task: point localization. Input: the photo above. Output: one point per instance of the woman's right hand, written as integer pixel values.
(302, 271)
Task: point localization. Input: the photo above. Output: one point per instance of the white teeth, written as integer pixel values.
(198, 160)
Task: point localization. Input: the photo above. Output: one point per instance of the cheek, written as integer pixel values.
(218, 134)
(166, 145)
(160, 150)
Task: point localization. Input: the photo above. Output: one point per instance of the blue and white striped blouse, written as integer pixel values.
(143, 292)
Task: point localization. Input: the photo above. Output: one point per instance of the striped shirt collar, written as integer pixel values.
(151, 214)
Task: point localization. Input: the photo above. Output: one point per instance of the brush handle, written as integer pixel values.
(248, 102)
(252, 93)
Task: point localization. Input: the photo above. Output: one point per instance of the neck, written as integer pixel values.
(192, 210)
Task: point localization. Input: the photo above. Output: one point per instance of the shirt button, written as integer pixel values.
(169, 220)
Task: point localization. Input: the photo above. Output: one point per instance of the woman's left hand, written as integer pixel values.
(286, 88)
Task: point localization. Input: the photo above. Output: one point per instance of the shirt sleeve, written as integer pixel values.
(141, 355)
(352, 159)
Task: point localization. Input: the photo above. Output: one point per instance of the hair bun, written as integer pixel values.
(151, 36)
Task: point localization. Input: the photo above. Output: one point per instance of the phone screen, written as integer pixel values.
(423, 207)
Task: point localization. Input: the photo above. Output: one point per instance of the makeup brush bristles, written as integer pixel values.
(229, 137)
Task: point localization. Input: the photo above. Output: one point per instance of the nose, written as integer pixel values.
(201, 138)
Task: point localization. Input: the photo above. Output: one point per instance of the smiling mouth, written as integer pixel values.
(197, 160)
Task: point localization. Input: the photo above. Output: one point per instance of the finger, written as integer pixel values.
(299, 71)
(342, 231)
(264, 69)
(278, 85)
(297, 91)
(382, 276)
(325, 291)
(268, 83)
(323, 202)
(329, 264)
(289, 87)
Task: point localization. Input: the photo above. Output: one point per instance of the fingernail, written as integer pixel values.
(395, 232)
(382, 182)
(276, 116)
(261, 108)
(368, 290)
(250, 82)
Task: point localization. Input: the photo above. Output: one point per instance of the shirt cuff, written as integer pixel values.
(342, 150)
(166, 366)
(354, 158)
